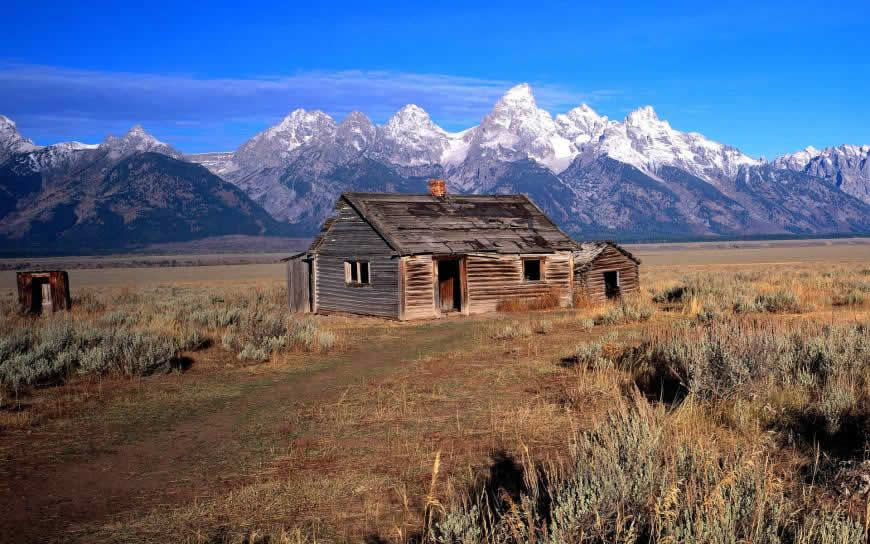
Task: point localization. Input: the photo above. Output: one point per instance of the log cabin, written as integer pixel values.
(421, 256)
(604, 270)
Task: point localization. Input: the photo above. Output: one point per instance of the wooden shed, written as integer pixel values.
(604, 270)
(406, 256)
(43, 291)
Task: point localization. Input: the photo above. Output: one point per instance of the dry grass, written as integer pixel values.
(546, 301)
(536, 421)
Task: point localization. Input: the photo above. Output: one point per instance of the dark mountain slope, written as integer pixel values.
(145, 198)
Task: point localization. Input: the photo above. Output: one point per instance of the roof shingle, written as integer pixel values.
(424, 224)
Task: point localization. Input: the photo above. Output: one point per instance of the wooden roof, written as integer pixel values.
(585, 253)
(459, 224)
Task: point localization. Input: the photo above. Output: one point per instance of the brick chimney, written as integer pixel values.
(437, 188)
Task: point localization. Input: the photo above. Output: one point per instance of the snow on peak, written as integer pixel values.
(582, 125)
(411, 117)
(647, 142)
(298, 128)
(136, 140)
(516, 128)
(411, 139)
(797, 160)
(521, 93)
(847, 166)
(11, 140)
(643, 115)
(356, 132)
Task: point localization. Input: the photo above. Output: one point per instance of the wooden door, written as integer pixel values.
(449, 285)
(47, 306)
(298, 285)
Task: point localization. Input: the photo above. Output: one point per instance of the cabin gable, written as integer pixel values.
(350, 239)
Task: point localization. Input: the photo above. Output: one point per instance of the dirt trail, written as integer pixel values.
(41, 505)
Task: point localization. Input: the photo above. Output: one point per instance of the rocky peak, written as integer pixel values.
(647, 142)
(846, 166)
(274, 146)
(11, 140)
(517, 129)
(136, 140)
(642, 116)
(410, 117)
(582, 125)
(355, 133)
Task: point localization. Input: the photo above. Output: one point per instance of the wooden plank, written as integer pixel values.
(403, 287)
(25, 292)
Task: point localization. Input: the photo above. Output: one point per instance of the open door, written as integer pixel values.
(299, 285)
(449, 285)
(41, 296)
(611, 284)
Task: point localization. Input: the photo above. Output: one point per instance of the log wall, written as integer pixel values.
(419, 280)
(500, 277)
(590, 283)
(352, 238)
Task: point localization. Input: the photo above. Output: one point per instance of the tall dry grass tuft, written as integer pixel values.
(548, 301)
(635, 479)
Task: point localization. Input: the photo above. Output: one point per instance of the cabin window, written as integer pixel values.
(357, 273)
(532, 269)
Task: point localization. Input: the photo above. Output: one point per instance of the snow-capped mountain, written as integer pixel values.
(273, 147)
(410, 139)
(136, 140)
(517, 129)
(639, 174)
(846, 166)
(11, 140)
(648, 143)
(595, 176)
(582, 126)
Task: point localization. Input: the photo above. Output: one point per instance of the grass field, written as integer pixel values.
(727, 402)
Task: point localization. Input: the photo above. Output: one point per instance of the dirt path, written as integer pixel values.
(190, 459)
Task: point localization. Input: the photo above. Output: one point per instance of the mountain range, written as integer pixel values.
(597, 177)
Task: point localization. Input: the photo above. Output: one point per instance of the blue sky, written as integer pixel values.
(768, 78)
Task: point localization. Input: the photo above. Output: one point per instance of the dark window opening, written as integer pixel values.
(532, 269)
(357, 272)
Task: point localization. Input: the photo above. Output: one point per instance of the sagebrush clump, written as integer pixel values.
(633, 480)
(135, 333)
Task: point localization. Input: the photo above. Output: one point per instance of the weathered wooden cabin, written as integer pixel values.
(604, 270)
(408, 256)
(43, 292)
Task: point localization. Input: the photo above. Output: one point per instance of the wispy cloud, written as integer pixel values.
(50, 100)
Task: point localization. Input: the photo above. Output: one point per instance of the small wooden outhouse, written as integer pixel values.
(604, 270)
(43, 291)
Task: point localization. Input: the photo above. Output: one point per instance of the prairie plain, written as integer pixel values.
(728, 401)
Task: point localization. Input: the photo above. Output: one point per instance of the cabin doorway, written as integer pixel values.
(611, 284)
(449, 285)
(41, 297)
